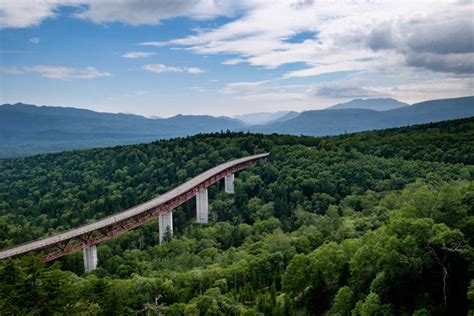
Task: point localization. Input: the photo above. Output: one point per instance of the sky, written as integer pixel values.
(217, 57)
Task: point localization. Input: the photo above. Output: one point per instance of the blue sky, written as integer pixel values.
(161, 58)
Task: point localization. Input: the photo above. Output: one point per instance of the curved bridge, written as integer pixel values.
(87, 236)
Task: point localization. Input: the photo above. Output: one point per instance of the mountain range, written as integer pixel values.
(333, 122)
(29, 129)
(376, 104)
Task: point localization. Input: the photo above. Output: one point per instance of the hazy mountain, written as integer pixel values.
(286, 117)
(332, 122)
(378, 104)
(28, 129)
(261, 117)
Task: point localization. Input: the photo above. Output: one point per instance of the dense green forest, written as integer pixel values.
(374, 223)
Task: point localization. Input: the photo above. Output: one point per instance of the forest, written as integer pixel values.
(371, 223)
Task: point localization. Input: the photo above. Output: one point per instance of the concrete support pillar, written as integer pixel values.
(202, 207)
(90, 258)
(229, 184)
(166, 225)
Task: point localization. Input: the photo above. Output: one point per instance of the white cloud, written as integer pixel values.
(411, 89)
(345, 37)
(35, 40)
(194, 70)
(418, 91)
(343, 89)
(152, 12)
(244, 87)
(266, 90)
(233, 61)
(156, 44)
(160, 68)
(381, 44)
(58, 72)
(416, 34)
(134, 55)
(404, 44)
(27, 13)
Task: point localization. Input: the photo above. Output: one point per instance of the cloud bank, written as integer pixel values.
(404, 49)
(26, 13)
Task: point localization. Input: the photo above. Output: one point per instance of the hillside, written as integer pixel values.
(333, 122)
(28, 129)
(376, 104)
(358, 224)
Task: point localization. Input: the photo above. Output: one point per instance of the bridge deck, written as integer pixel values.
(127, 214)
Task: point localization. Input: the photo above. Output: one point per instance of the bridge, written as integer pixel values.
(86, 237)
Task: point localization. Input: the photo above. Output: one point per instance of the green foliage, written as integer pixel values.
(363, 224)
(373, 307)
(343, 302)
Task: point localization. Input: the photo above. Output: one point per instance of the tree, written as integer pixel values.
(343, 302)
(373, 307)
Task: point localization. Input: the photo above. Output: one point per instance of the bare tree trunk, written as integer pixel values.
(445, 274)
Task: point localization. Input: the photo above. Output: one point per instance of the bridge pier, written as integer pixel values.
(166, 225)
(90, 258)
(229, 184)
(202, 207)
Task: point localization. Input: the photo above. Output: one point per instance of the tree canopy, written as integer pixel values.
(375, 223)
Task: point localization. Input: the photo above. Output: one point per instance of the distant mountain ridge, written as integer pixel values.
(259, 118)
(376, 104)
(286, 117)
(28, 129)
(332, 122)
(17, 116)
